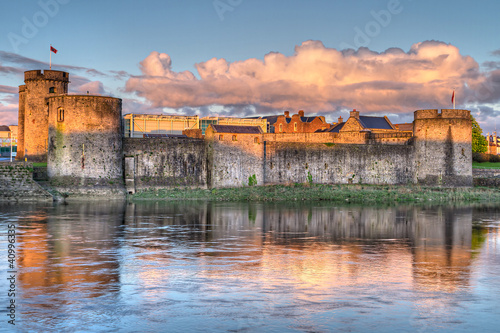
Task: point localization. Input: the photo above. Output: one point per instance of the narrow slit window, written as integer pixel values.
(281, 128)
(60, 114)
(234, 137)
(295, 127)
(221, 137)
(256, 140)
(52, 90)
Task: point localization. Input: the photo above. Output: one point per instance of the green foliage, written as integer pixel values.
(480, 157)
(479, 143)
(252, 180)
(309, 178)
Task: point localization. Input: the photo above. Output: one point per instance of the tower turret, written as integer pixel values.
(33, 111)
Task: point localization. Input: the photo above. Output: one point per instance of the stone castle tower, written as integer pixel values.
(85, 140)
(33, 111)
(443, 147)
(79, 136)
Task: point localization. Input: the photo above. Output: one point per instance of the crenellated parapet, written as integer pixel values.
(46, 75)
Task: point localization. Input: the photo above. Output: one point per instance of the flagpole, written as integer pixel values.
(454, 99)
(50, 61)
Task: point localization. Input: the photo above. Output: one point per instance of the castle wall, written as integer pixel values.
(165, 163)
(443, 147)
(232, 163)
(37, 88)
(338, 164)
(85, 142)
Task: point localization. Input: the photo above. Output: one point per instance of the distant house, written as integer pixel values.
(234, 134)
(296, 123)
(493, 143)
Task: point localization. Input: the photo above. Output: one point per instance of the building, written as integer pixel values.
(233, 121)
(8, 140)
(493, 143)
(137, 125)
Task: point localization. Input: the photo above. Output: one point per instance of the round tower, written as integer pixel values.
(443, 147)
(33, 111)
(85, 142)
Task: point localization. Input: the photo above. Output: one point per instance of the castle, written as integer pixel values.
(82, 139)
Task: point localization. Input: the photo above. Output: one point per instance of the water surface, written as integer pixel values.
(251, 267)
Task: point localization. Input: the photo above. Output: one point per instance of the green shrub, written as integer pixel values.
(494, 158)
(252, 180)
(480, 157)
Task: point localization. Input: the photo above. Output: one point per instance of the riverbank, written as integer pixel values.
(316, 192)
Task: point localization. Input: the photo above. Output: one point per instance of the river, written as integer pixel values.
(249, 267)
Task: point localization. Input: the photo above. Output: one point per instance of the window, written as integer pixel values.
(221, 137)
(256, 140)
(60, 114)
(281, 128)
(295, 127)
(234, 137)
(52, 90)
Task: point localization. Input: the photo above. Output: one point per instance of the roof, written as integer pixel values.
(374, 122)
(236, 129)
(334, 128)
(4, 128)
(307, 119)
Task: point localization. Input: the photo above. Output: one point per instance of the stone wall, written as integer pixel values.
(486, 177)
(165, 163)
(85, 144)
(17, 184)
(232, 163)
(339, 164)
(443, 147)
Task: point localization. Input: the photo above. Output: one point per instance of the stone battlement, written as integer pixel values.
(445, 114)
(46, 75)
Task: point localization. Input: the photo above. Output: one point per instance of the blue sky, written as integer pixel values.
(103, 43)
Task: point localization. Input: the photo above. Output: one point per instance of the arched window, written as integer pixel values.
(60, 114)
(234, 137)
(256, 140)
(281, 128)
(295, 127)
(221, 137)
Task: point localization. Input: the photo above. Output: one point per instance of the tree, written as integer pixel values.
(479, 143)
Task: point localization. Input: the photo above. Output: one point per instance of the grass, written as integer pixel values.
(317, 192)
(486, 165)
(40, 164)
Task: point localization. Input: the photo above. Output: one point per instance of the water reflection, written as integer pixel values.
(250, 266)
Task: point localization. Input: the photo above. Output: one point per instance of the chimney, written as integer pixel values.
(341, 120)
(301, 113)
(287, 114)
(355, 114)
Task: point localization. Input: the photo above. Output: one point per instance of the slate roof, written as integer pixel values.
(374, 122)
(4, 128)
(333, 128)
(307, 119)
(236, 129)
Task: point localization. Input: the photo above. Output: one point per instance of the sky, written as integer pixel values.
(248, 58)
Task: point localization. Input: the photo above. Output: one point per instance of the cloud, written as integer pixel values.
(320, 80)
(496, 53)
(8, 114)
(93, 88)
(8, 89)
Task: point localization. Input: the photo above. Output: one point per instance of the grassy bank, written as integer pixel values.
(486, 165)
(339, 193)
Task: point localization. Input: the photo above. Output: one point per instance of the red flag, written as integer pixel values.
(53, 49)
(453, 97)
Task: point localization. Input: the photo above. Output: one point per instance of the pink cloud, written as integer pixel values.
(320, 79)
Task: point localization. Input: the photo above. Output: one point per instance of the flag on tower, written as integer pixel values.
(53, 49)
(453, 97)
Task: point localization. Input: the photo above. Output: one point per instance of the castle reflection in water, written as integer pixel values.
(69, 246)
